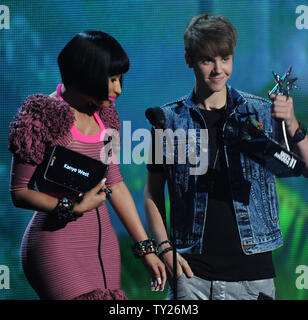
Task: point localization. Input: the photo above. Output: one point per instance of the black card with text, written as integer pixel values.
(74, 170)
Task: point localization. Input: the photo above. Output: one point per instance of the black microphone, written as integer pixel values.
(268, 152)
(156, 117)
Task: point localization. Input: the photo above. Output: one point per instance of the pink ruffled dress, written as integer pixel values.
(75, 260)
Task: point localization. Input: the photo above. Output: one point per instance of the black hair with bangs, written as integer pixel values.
(88, 60)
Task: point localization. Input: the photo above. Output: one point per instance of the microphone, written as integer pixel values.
(268, 152)
(156, 117)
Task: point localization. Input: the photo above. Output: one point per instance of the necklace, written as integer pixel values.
(211, 176)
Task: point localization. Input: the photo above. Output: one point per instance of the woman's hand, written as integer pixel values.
(90, 200)
(157, 271)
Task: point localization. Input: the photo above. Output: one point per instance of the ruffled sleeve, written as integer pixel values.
(39, 121)
(111, 120)
(112, 123)
(110, 117)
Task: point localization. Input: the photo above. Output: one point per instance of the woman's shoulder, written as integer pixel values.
(40, 120)
(44, 111)
(110, 117)
(47, 103)
(53, 95)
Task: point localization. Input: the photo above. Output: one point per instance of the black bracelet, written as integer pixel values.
(163, 242)
(64, 210)
(160, 255)
(299, 134)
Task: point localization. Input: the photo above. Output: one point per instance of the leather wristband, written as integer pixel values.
(162, 243)
(299, 134)
(160, 255)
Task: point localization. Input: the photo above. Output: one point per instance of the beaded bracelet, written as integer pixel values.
(64, 210)
(107, 191)
(160, 255)
(144, 247)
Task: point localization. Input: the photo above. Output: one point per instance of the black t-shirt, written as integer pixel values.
(222, 257)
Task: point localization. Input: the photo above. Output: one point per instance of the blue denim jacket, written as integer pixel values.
(253, 188)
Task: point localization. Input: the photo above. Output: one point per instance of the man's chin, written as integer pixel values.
(217, 88)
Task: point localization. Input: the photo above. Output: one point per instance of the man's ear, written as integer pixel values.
(188, 60)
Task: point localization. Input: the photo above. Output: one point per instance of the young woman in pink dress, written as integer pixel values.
(70, 249)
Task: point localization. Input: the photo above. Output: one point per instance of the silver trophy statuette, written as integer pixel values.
(271, 150)
(284, 83)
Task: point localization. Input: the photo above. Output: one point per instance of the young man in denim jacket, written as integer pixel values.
(226, 219)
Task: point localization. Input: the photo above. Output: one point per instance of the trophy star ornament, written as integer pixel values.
(284, 83)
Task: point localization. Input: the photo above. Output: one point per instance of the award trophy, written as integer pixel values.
(283, 86)
(274, 155)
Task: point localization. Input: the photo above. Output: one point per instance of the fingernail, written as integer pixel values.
(159, 280)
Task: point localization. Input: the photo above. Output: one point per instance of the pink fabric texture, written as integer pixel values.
(43, 121)
(61, 260)
(106, 294)
(79, 135)
(86, 138)
(59, 86)
(40, 120)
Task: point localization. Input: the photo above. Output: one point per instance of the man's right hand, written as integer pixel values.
(182, 265)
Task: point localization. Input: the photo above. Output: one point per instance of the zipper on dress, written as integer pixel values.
(100, 246)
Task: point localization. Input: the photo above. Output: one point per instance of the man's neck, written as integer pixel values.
(210, 100)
